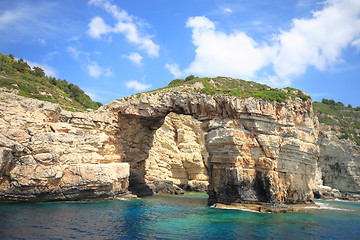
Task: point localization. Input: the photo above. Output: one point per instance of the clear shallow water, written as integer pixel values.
(173, 217)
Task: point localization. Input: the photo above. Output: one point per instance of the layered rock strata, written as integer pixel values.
(50, 154)
(255, 151)
(338, 165)
(239, 150)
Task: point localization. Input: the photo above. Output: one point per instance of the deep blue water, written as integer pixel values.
(173, 217)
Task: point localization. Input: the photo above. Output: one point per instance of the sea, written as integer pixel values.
(173, 217)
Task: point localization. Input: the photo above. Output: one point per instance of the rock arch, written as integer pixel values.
(257, 151)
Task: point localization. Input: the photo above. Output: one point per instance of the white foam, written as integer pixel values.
(122, 199)
(328, 207)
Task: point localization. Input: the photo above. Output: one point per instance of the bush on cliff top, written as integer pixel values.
(240, 88)
(33, 83)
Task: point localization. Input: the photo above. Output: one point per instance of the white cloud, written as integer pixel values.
(98, 27)
(125, 24)
(92, 67)
(174, 70)
(217, 53)
(49, 71)
(108, 72)
(227, 10)
(94, 70)
(137, 85)
(317, 41)
(134, 57)
(356, 43)
(75, 53)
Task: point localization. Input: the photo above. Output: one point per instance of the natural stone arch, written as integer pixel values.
(259, 151)
(145, 143)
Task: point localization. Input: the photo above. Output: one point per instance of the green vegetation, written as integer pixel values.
(33, 83)
(240, 88)
(335, 114)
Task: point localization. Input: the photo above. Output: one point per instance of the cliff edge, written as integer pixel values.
(197, 135)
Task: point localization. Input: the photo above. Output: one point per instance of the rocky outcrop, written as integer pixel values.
(255, 151)
(170, 140)
(339, 162)
(50, 154)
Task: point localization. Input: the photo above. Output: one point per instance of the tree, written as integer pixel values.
(188, 78)
(22, 66)
(11, 56)
(349, 106)
(39, 72)
(340, 104)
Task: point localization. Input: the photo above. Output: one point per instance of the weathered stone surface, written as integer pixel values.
(339, 162)
(239, 150)
(178, 154)
(50, 154)
(256, 151)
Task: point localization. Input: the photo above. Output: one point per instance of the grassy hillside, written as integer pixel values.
(32, 82)
(345, 120)
(240, 88)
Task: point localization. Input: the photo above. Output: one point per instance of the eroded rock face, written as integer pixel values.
(50, 154)
(257, 151)
(239, 150)
(178, 154)
(339, 162)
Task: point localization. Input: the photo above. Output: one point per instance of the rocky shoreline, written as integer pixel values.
(238, 150)
(267, 207)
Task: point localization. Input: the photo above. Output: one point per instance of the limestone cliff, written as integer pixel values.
(50, 154)
(339, 162)
(238, 148)
(255, 150)
(339, 141)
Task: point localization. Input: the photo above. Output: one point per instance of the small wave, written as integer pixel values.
(328, 207)
(122, 199)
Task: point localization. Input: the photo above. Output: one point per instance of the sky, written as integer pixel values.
(116, 48)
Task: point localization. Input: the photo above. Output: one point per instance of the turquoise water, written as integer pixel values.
(173, 217)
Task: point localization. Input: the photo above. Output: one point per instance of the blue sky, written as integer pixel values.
(116, 48)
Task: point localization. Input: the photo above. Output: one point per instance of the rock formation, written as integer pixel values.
(239, 150)
(338, 165)
(255, 151)
(50, 154)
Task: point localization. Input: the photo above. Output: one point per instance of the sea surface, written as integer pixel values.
(173, 217)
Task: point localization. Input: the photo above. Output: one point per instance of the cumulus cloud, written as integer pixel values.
(137, 85)
(126, 25)
(317, 41)
(217, 53)
(134, 57)
(98, 27)
(174, 69)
